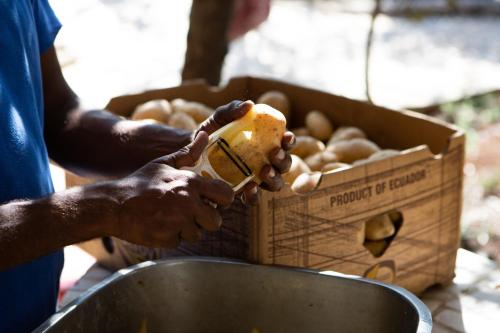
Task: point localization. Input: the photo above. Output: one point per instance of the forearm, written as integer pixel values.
(97, 143)
(32, 228)
(100, 144)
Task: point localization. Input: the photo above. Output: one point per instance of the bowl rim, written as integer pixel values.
(424, 315)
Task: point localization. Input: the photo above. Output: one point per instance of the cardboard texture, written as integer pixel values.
(320, 230)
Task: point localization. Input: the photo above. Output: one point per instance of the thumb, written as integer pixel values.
(189, 154)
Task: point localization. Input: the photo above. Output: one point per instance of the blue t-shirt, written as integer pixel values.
(28, 293)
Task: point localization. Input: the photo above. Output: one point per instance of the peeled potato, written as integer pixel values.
(317, 161)
(300, 131)
(252, 138)
(157, 109)
(298, 167)
(333, 166)
(376, 248)
(318, 125)
(379, 227)
(199, 112)
(353, 150)
(306, 182)
(346, 133)
(306, 146)
(277, 100)
(182, 121)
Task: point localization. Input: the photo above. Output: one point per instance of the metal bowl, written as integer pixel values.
(219, 295)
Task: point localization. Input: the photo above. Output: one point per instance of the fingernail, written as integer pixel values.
(292, 141)
(271, 173)
(254, 190)
(281, 154)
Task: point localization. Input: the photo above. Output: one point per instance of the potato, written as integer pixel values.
(157, 109)
(379, 155)
(317, 161)
(199, 112)
(306, 146)
(384, 153)
(182, 121)
(376, 248)
(298, 167)
(327, 168)
(252, 146)
(300, 131)
(306, 182)
(346, 133)
(353, 150)
(395, 216)
(318, 125)
(360, 234)
(379, 227)
(277, 100)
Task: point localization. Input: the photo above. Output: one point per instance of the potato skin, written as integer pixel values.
(317, 161)
(353, 150)
(182, 121)
(327, 168)
(379, 228)
(306, 182)
(376, 248)
(318, 125)
(306, 146)
(300, 131)
(198, 111)
(346, 133)
(159, 110)
(379, 155)
(298, 167)
(278, 100)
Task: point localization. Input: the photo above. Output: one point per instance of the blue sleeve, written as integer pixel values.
(47, 24)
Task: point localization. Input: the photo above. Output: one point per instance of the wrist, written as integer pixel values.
(94, 208)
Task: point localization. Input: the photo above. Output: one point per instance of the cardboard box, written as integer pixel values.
(319, 230)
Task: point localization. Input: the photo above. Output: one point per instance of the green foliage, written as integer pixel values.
(491, 183)
(473, 114)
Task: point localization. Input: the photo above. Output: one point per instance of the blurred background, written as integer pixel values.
(439, 57)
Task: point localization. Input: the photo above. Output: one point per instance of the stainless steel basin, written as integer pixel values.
(218, 295)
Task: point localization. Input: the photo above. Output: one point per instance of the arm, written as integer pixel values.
(157, 206)
(97, 143)
(31, 228)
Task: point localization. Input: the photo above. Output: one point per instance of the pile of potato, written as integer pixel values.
(177, 113)
(322, 147)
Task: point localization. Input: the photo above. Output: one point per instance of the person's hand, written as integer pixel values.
(247, 15)
(280, 158)
(158, 205)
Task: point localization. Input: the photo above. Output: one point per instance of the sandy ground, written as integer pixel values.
(111, 47)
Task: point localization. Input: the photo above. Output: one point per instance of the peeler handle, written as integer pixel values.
(203, 168)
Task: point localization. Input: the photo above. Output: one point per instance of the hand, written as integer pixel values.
(247, 15)
(158, 205)
(280, 158)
